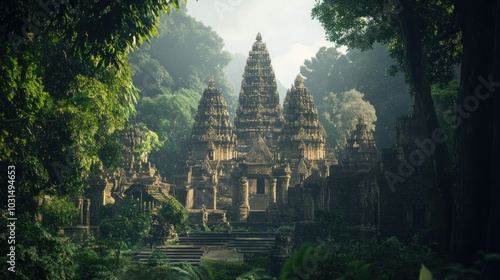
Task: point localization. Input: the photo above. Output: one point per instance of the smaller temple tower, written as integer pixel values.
(361, 154)
(303, 140)
(211, 149)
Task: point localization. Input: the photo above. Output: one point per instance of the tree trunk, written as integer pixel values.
(477, 224)
(424, 105)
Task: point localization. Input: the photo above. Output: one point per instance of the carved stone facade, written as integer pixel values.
(136, 178)
(273, 148)
(370, 190)
(211, 149)
(350, 187)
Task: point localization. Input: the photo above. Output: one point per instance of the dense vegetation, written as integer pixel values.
(75, 75)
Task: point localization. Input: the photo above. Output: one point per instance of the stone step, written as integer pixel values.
(175, 254)
(252, 245)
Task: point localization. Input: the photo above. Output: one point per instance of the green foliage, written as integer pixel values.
(330, 71)
(332, 226)
(444, 100)
(340, 255)
(220, 270)
(140, 272)
(388, 259)
(157, 258)
(39, 254)
(341, 114)
(66, 87)
(358, 270)
(360, 24)
(425, 273)
(171, 116)
(96, 260)
(187, 272)
(486, 263)
(195, 53)
(149, 142)
(171, 82)
(294, 265)
(172, 212)
(58, 212)
(124, 223)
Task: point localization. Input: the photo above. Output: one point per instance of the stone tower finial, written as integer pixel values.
(259, 37)
(299, 81)
(211, 82)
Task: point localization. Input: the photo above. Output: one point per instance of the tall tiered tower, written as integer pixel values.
(258, 112)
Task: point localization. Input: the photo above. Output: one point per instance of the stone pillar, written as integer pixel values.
(285, 187)
(189, 197)
(87, 212)
(236, 191)
(81, 210)
(272, 190)
(214, 190)
(281, 189)
(244, 208)
(244, 191)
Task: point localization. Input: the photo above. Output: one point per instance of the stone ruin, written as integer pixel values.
(269, 149)
(274, 167)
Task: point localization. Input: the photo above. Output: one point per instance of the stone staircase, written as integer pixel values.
(192, 247)
(205, 239)
(252, 245)
(243, 242)
(175, 254)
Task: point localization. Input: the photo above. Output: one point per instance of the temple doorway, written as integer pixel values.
(261, 186)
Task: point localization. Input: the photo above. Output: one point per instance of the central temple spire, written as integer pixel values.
(258, 111)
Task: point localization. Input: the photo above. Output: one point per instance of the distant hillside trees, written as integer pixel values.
(331, 71)
(171, 72)
(341, 114)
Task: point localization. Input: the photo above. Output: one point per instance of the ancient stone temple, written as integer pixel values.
(271, 151)
(137, 178)
(258, 111)
(361, 153)
(351, 186)
(211, 148)
(353, 183)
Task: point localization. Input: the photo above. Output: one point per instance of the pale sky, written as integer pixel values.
(288, 30)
